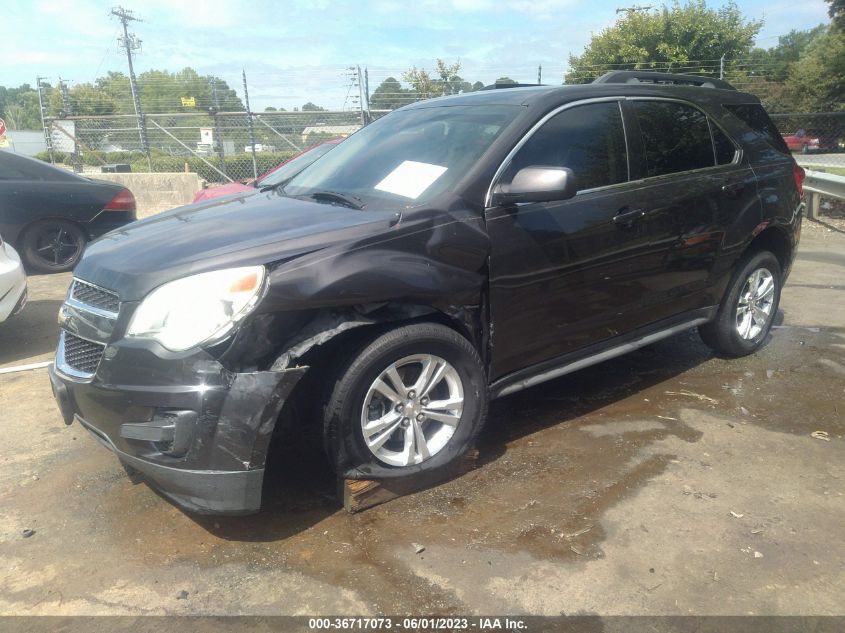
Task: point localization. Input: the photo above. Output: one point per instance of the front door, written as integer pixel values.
(566, 274)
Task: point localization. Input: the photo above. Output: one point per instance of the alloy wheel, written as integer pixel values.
(412, 409)
(754, 307)
(56, 246)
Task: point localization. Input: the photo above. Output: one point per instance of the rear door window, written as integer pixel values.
(588, 139)
(676, 137)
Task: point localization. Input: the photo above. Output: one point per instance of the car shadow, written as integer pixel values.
(31, 333)
(301, 490)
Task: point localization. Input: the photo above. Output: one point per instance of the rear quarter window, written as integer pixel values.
(755, 117)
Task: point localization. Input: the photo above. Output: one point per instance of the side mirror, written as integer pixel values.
(536, 184)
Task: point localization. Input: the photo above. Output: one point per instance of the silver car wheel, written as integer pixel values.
(754, 307)
(412, 409)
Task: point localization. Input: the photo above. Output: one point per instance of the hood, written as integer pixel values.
(222, 190)
(235, 231)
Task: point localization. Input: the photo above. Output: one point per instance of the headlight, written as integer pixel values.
(197, 309)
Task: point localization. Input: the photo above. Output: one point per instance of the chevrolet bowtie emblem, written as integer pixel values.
(63, 315)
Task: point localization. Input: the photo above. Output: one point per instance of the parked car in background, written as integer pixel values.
(12, 282)
(806, 142)
(454, 250)
(275, 177)
(48, 214)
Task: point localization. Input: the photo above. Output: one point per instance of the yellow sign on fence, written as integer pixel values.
(189, 102)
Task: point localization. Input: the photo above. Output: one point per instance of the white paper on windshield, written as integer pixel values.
(411, 178)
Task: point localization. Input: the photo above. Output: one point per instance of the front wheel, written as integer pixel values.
(748, 308)
(412, 400)
(52, 246)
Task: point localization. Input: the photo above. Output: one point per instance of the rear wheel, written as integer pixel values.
(412, 400)
(748, 307)
(52, 246)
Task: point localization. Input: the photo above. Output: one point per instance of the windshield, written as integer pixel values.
(405, 158)
(288, 170)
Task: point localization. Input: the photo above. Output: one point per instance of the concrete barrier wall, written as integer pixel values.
(155, 193)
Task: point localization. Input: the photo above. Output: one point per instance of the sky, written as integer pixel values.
(299, 50)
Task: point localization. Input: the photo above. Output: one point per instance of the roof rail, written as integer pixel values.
(648, 76)
(509, 85)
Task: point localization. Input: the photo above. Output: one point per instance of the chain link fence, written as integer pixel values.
(220, 147)
(816, 139)
(237, 146)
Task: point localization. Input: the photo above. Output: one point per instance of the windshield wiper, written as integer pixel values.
(334, 196)
(263, 188)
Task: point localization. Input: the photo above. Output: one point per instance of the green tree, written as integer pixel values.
(837, 12)
(444, 80)
(816, 82)
(312, 107)
(424, 85)
(686, 38)
(270, 109)
(19, 107)
(389, 95)
(506, 80)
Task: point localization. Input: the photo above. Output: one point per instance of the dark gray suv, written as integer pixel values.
(456, 250)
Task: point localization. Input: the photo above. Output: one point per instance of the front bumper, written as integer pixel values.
(203, 446)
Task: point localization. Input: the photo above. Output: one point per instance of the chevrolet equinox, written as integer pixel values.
(453, 251)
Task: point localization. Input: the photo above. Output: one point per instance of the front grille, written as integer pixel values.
(94, 296)
(81, 355)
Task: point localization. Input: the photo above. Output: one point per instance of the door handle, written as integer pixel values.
(733, 188)
(627, 216)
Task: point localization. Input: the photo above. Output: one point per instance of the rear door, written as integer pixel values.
(694, 185)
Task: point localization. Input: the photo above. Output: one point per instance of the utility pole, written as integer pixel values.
(722, 67)
(67, 108)
(539, 74)
(360, 94)
(48, 137)
(131, 43)
(367, 92)
(251, 129)
(218, 134)
(355, 82)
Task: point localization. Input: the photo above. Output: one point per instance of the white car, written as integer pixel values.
(12, 282)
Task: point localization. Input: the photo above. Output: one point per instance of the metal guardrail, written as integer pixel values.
(818, 184)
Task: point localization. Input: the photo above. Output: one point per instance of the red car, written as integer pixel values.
(279, 174)
(805, 142)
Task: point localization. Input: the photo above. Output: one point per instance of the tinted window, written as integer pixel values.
(725, 149)
(676, 137)
(755, 117)
(588, 139)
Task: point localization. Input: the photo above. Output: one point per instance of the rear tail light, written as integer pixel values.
(123, 201)
(799, 174)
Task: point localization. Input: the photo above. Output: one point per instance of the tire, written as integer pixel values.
(400, 443)
(52, 246)
(736, 331)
